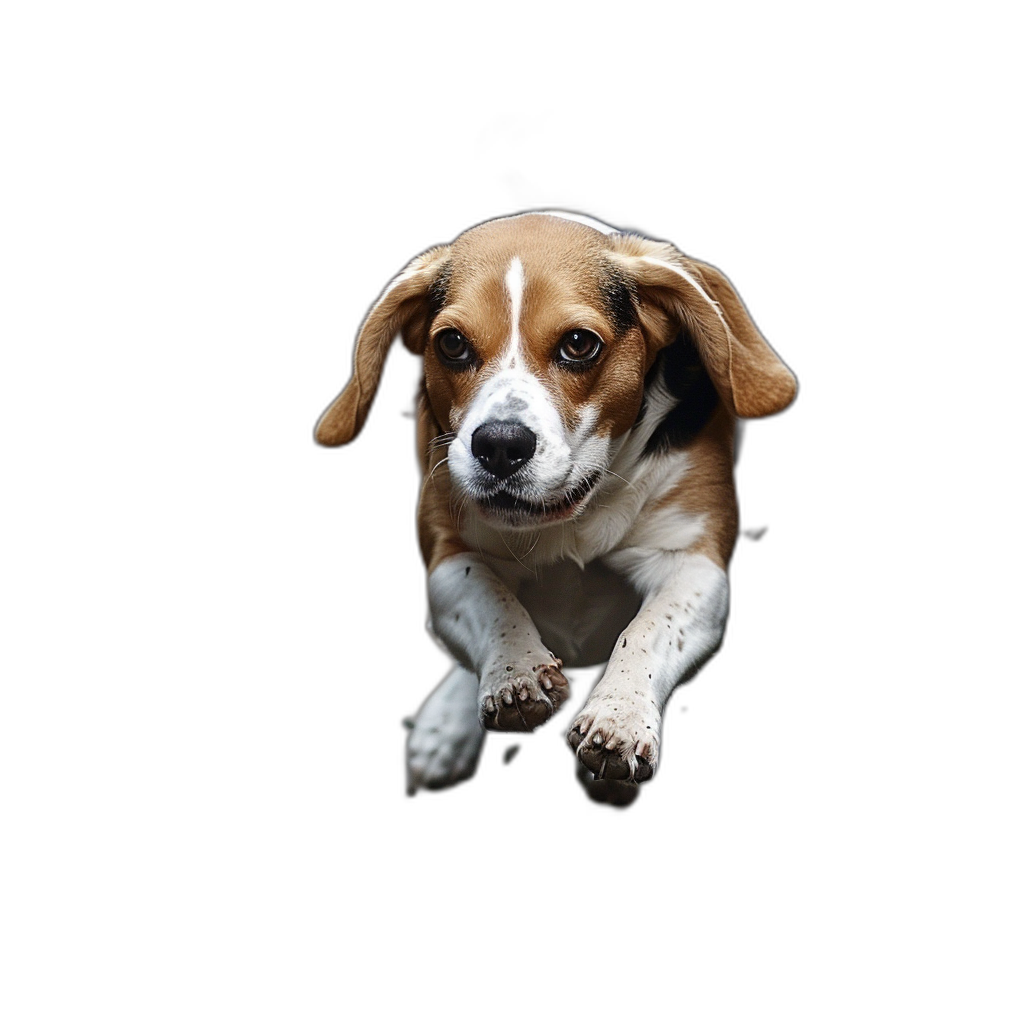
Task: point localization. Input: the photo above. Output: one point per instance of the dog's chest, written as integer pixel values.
(579, 612)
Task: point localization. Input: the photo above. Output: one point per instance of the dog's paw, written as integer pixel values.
(445, 738)
(616, 737)
(518, 699)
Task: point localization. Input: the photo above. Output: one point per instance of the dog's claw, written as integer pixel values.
(616, 740)
(521, 700)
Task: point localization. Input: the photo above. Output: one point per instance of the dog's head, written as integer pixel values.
(538, 333)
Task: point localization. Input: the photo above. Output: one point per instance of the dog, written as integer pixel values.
(577, 422)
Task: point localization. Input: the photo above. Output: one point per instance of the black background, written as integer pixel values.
(757, 749)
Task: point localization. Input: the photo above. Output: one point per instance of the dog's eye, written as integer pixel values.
(578, 347)
(453, 349)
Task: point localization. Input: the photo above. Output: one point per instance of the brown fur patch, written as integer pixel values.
(708, 489)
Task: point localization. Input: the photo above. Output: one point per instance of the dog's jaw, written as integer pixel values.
(504, 507)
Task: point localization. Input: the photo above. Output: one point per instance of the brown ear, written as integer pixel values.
(402, 307)
(750, 377)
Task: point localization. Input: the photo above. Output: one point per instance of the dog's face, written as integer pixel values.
(537, 334)
(535, 361)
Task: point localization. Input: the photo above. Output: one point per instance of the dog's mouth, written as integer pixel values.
(515, 509)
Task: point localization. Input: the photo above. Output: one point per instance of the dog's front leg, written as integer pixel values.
(679, 626)
(485, 627)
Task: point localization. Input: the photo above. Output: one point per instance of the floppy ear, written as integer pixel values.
(404, 306)
(747, 373)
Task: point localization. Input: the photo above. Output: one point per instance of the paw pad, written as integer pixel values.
(519, 702)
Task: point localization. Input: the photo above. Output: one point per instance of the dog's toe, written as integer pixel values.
(615, 739)
(515, 710)
(512, 701)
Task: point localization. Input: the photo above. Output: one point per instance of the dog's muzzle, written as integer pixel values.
(506, 491)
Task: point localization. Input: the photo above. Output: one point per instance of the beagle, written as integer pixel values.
(576, 428)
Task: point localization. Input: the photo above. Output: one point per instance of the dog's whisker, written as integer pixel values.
(435, 469)
(515, 556)
(629, 483)
(441, 441)
(459, 509)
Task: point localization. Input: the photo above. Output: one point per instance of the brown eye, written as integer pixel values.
(453, 349)
(577, 349)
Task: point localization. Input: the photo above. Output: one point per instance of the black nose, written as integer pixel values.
(502, 447)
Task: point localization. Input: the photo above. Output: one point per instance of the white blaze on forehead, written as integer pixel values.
(515, 281)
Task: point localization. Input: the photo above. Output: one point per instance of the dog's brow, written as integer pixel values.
(617, 298)
(437, 292)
